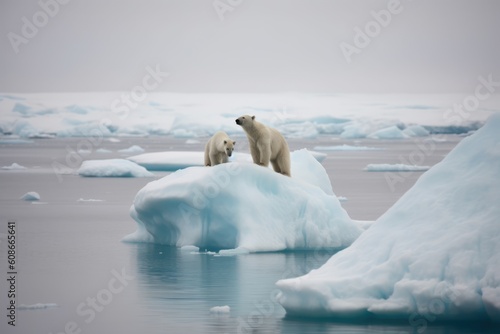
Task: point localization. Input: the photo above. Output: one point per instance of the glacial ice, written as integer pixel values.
(435, 254)
(31, 196)
(242, 206)
(112, 168)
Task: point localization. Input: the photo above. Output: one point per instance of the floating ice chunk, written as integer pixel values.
(435, 253)
(190, 248)
(242, 205)
(89, 200)
(134, 149)
(232, 252)
(84, 152)
(342, 198)
(112, 168)
(168, 161)
(38, 306)
(192, 141)
(103, 151)
(220, 309)
(14, 166)
(395, 168)
(15, 141)
(392, 132)
(345, 147)
(31, 196)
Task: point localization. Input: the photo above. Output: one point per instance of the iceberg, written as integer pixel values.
(31, 196)
(392, 132)
(112, 168)
(168, 161)
(14, 166)
(435, 254)
(244, 207)
(134, 149)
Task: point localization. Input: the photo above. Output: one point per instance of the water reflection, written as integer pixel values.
(177, 289)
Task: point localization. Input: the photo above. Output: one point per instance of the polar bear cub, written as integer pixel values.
(266, 145)
(218, 149)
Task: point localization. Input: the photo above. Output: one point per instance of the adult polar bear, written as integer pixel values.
(266, 145)
(218, 149)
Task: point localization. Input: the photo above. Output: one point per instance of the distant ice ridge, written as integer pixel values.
(245, 207)
(112, 168)
(200, 115)
(434, 255)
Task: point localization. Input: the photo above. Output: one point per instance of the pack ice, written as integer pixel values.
(240, 205)
(434, 255)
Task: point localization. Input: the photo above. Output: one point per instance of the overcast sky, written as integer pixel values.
(432, 46)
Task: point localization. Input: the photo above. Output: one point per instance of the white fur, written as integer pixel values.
(218, 149)
(266, 145)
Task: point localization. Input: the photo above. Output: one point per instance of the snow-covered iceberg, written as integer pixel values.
(243, 206)
(434, 255)
(112, 168)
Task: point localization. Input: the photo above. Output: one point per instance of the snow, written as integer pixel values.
(31, 196)
(112, 168)
(244, 207)
(435, 254)
(345, 147)
(134, 149)
(395, 168)
(14, 166)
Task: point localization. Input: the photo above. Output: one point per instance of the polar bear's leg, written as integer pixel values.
(276, 166)
(264, 149)
(214, 159)
(207, 155)
(254, 153)
(283, 162)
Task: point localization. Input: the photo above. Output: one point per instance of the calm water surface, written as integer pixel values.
(69, 251)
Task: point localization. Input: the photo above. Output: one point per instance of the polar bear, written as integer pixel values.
(266, 145)
(218, 149)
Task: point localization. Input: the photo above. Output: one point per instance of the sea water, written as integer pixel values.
(74, 275)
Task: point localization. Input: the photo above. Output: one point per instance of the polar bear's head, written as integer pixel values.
(229, 147)
(245, 121)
